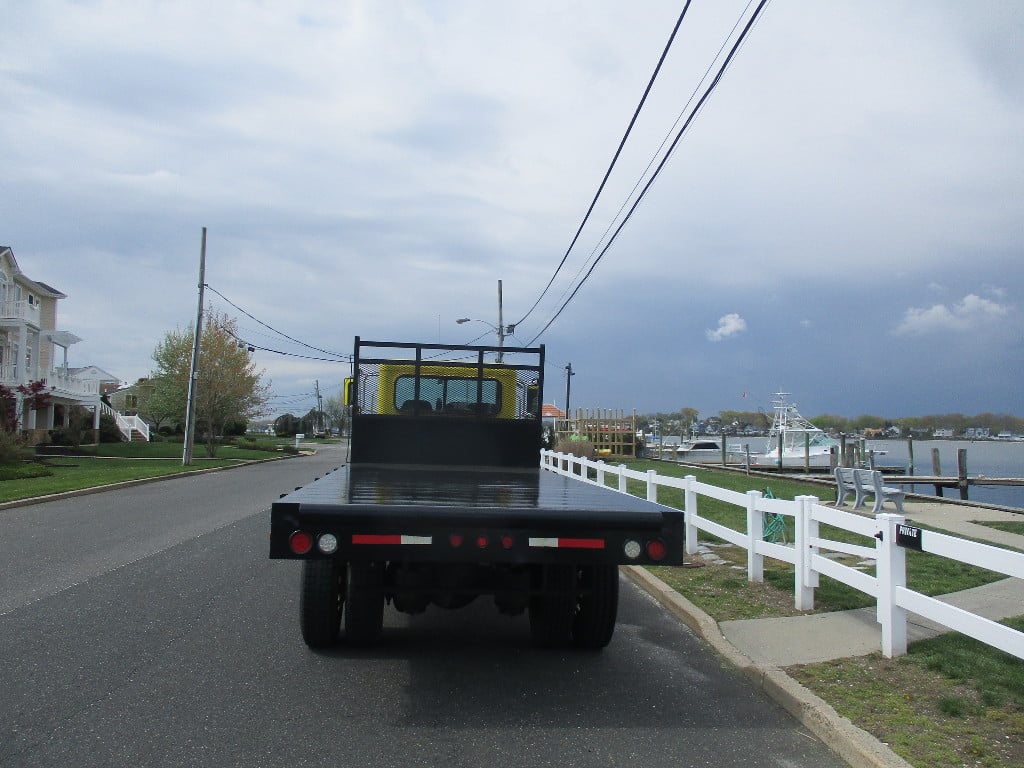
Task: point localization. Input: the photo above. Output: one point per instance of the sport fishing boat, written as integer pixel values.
(802, 442)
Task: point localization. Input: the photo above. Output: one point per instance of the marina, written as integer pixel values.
(983, 471)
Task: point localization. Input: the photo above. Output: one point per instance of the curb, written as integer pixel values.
(857, 747)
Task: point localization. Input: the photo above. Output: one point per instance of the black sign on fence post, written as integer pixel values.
(908, 536)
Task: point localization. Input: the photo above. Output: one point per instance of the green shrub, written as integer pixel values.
(23, 471)
(12, 447)
(69, 436)
(579, 448)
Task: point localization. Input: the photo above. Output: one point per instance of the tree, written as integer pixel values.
(228, 387)
(35, 394)
(286, 425)
(337, 412)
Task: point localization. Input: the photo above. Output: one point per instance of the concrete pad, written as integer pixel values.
(818, 637)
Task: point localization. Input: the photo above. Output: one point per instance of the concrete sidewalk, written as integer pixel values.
(825, 636)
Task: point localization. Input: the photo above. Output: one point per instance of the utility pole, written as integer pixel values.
(193, 373)
(319, 409)
(568, 381)
(501, 328)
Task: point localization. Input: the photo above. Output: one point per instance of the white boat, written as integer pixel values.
(702, 450)
(802, 442)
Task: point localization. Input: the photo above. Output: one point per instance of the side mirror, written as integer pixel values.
(350, 391)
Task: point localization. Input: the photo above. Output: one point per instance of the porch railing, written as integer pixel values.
(19, 310)
(62, 379)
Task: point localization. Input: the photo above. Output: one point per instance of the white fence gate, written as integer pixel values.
(891, 537)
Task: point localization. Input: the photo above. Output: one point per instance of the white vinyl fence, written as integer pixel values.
(887, 539)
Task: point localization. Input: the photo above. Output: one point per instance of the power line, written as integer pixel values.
(657, 152)
(611, 166)
(255, 347)
(657, 172)
(279, 333)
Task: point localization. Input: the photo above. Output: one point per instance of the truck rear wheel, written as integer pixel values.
(598, 606)
(320, 599)
(364, 603)
(551, 613)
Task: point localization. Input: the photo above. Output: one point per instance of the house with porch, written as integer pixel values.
(33, 348)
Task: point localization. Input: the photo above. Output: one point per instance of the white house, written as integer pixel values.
(33, 348)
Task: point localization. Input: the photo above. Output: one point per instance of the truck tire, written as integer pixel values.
(598, 606)
(364, 603)
(320, 599)
(551, 613)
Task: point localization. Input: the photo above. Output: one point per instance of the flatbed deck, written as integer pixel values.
(421, 500)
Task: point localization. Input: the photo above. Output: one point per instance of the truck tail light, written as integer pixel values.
(455, 540)
(300, 542)
(632, 549)
(481, 541)
(507, 541)
(656, 549)
(328, 543)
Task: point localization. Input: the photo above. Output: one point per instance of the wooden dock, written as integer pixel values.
(962, 483)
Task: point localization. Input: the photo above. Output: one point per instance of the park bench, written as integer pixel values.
(863, 483)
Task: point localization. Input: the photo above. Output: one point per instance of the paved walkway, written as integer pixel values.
(781, 642)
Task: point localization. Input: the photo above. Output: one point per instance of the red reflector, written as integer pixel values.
(371, 538)
(300, 542)
(656, 549)
(507, 542)
(481, 541)
(455, 540)
(581, 543)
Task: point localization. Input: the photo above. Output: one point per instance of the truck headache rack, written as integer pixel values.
(487, 397)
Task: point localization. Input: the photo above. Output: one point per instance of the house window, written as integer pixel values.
(131, 402)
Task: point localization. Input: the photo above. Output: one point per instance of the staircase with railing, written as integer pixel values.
(132, 427)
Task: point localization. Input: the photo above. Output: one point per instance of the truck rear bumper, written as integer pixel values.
(427, 515)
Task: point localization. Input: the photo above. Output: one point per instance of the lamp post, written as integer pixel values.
(500, 328)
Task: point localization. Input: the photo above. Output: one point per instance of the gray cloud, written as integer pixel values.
(375, 168)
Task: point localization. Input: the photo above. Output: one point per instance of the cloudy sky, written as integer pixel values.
(843, 220)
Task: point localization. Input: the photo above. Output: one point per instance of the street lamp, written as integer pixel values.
(500, 328)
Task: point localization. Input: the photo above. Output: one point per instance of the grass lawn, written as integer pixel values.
(1009, 526)
(114, 463)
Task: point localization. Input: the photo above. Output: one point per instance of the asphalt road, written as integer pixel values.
(146, 627)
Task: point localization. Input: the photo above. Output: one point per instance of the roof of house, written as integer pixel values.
(94, 372)
(41, 287)
(551, 412)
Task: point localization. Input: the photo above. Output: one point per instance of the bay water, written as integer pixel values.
(989, 458)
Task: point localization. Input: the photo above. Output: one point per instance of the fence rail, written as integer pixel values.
(889, 584)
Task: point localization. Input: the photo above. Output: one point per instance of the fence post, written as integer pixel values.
(690, 512)
(622, 478)
(805, 578)
(652, 486)
(755, 535)
(892, 573)
(600, 473)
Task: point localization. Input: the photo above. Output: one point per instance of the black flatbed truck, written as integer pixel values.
(443, 500)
